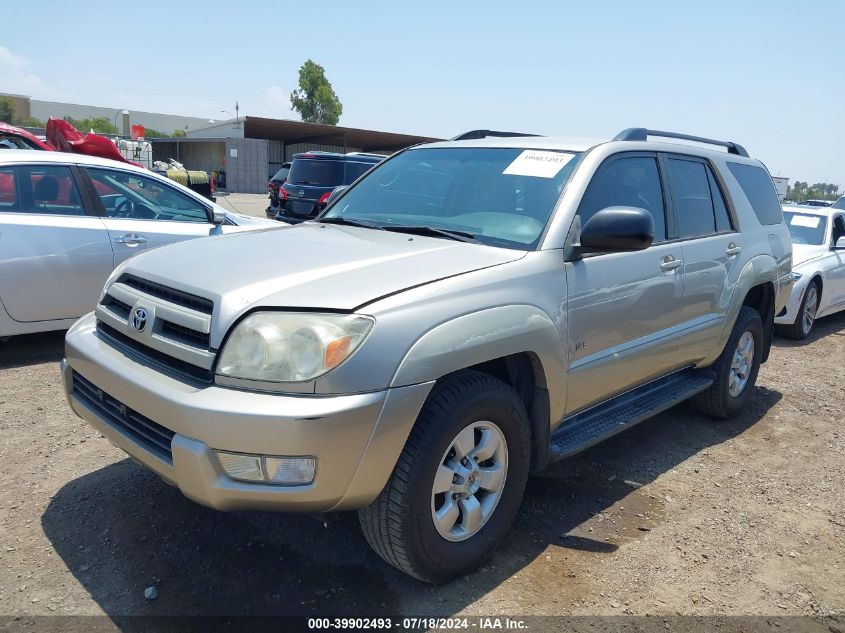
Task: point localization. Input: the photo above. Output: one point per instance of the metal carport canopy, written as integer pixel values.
(299, 132)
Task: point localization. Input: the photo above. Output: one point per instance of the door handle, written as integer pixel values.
(668, 262)
(131, 239)
(732, 249)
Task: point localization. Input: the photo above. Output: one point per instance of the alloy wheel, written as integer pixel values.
(469, 481)
(743, 361)
(811, 304)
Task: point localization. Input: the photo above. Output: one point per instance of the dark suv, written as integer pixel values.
(312, 178)
(276, 181)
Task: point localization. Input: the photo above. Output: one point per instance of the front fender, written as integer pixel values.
(486, 335)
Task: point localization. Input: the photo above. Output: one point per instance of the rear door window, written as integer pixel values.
(7, 189)
(47, 189)
(760, 191)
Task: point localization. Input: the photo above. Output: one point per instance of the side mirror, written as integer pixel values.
(218, 216)
(617, 229)
(335, 193)
(840, 244)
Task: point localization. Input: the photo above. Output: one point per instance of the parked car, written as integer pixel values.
(465, 313)
(67, 220)
(12, 137)
(312, 178)
(62, 136)
(839, 204)
(276, 181)
(816, 203)
(818, 266)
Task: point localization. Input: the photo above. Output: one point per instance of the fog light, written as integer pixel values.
(290, 470)
(243, 467)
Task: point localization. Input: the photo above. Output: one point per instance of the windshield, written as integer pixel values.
(502, 197)
(317, 172)
(806, 228)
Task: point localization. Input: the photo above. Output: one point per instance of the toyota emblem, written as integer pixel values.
(139, 319)
(301, 193)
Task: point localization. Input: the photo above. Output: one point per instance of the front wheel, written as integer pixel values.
(736, 368)
(806, 316)
(458, 483)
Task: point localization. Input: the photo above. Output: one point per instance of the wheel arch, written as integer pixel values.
(756, 287)
(518, 344)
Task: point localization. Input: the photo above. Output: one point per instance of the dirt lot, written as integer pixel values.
(679, 515)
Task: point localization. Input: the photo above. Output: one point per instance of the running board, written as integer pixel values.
(583, 430)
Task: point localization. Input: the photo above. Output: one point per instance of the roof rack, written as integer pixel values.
(476, 134)
(366, 154)
(642, 134)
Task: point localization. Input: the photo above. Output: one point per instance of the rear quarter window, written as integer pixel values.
(760, 191)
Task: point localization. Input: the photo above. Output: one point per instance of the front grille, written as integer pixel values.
(164, 326)
(151, 435)
(170, 295)
(185, 335)
(117, 306)
(172, 365)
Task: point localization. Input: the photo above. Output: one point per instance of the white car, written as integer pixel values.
(818, 266)
(66, 221)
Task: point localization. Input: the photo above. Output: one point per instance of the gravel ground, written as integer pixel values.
(246, 203)
(678, 515)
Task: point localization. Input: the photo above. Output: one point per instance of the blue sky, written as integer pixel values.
(769, 75)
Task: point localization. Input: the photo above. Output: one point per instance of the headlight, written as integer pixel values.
(291, 346)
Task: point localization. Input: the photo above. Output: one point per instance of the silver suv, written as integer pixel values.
(461, 316)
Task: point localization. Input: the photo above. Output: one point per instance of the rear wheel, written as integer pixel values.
(736, 368)
(458, 483)
(806, 316)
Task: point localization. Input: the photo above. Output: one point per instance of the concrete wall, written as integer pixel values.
(223, 129)
(166, 123)
(20, 103)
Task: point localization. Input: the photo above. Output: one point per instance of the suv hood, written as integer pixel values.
(310, 265)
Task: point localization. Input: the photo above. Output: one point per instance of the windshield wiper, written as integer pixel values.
(421, 229)
(339, 219)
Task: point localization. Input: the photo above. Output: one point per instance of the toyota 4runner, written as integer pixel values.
(461, 316)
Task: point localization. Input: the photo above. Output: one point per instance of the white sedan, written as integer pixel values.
(66, 220)
(818, 265)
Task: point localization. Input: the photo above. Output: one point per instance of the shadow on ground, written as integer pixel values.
(833, 325)
(32, 349)
(120, 529)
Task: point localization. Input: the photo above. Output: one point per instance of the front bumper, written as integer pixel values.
(793, 304)
(356, 438)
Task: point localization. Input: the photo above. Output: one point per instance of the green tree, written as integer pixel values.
(7, 110)
(99, 124)
(29, 121)
(151, 133)
(315, 100)
(178, 133)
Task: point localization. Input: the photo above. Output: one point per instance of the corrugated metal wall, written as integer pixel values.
(297, 148)
(246, 165)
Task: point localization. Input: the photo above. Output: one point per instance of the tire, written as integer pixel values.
(806, 316)
(718, 401)
(400, 524)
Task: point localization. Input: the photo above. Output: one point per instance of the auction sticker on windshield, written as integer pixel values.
(810, 221)
(538, 164)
